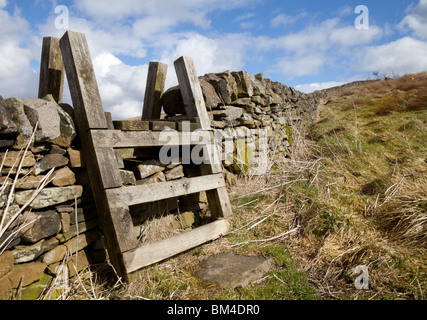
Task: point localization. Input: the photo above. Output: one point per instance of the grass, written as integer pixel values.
(352, 194)
(373, 141)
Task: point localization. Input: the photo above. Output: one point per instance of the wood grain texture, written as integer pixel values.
(129, 196)
(162, 125)
(82, 82)
(127, 125)
(52, 70)
(218, 199)
(191, 91)
(139, 139)
(119, 157)
(154, 90)
(103, 169)
(161, 250)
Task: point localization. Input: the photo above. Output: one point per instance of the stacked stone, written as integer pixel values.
(177, 213)
(60, 224)
(239, 100)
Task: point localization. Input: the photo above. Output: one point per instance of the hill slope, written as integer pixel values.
(352, 197)
(371, 203)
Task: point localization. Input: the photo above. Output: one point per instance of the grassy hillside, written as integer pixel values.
(354, 193)
(370, 205)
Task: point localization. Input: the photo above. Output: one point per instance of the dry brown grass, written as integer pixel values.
(319, 192)
(403, 217)
(404, 94)
(375, 207)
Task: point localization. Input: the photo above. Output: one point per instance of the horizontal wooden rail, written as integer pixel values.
(139, 139)
(155, 252)
(130, 196)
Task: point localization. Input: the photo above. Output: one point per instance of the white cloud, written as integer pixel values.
(16, 53)
(247, 25)
(326, 35)
(301, 65)
(416, 20)
(245, 16)
(310, 50)
(179, 11)
(284, 19)
(152, 28)
(121, 86)
(209, 54)
(405, 55)
(350, 36)
(311, 87)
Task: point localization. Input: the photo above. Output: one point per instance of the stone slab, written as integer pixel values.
(231, 271)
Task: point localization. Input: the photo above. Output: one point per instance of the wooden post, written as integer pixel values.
(101, 162)
(156, 82)
(192, 94)
(82, 82)
(218, 199)
(120, 162)
(51, 70)
(192, 91)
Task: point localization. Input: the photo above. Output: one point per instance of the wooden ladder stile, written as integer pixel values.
(101, 137)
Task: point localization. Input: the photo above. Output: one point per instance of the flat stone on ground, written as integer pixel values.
(231, 271)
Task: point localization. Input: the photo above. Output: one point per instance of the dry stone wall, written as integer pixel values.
(39, 234)
(53, 236)
(243, 108)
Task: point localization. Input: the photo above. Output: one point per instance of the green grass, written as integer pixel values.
(286, 282)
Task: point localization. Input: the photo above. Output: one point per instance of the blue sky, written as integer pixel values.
(304, 44)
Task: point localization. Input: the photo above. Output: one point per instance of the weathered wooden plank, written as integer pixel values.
(119, 157)
(82, 82)
(128, 125)
(191, 91)
(164, 249)
(116, 221)
(187, 126)
(181, 119)
(108, 168)
(121, 223)
(160, 191)
(51, 70)
(140, 139)
(162, 125)
(102, 165)
(154, 90)
(218, 199)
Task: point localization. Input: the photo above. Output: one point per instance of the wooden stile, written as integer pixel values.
(101, 137)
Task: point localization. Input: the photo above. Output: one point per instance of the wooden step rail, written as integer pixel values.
(148, 254)
(140, 139)
(130, 196)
